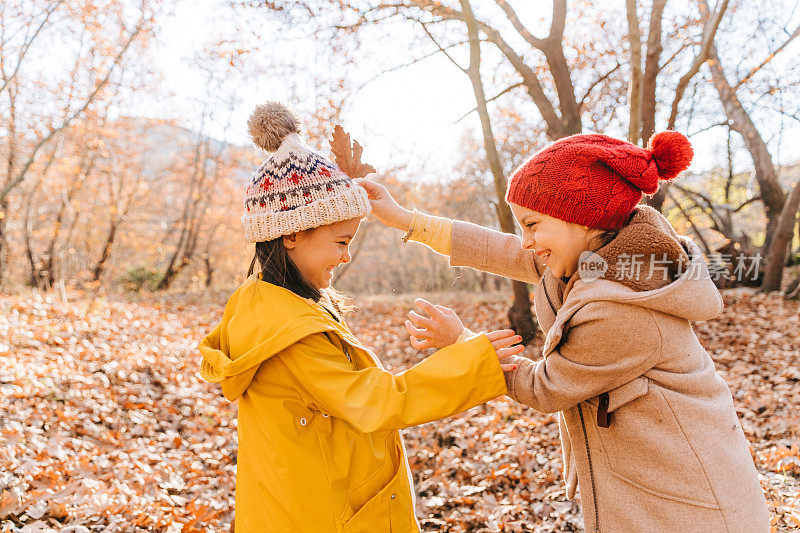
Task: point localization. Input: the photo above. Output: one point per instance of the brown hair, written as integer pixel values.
(279, 269)
(605, 237)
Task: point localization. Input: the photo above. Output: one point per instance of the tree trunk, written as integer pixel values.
(771, 193)
(37, 276)
(209, 269)
(781, 241)
(651, 70)
(171, 271)
(100, 267)
(635, 84)
(520, 314)
(3, 238)
(10, 164)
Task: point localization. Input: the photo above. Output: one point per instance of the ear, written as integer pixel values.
(290, 241)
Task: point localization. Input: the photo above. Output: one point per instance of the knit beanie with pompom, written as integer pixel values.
(295, 188)
(595, 180)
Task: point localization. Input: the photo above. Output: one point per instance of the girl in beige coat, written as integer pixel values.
(648, 428)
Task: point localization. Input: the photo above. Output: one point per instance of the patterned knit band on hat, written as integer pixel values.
(295, 188)
(595, 180)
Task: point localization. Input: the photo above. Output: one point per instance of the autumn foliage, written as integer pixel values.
(107, 424)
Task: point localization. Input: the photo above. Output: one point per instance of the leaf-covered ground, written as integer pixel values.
(107, 427)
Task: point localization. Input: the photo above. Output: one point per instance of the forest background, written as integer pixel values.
(124, 158)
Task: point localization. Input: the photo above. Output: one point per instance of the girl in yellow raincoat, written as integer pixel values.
(319, 417)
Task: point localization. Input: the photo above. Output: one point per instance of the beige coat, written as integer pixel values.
(621, 353)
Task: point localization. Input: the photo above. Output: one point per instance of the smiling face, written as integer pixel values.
(559, 243)
(316, 252)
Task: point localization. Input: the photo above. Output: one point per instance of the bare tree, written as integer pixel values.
(32, 25)
(776, 257)
(646, 109)
(124, 174)
(71, 115)
(203, 177)
(771, 193)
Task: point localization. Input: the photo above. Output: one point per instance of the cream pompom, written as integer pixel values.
(270, 123)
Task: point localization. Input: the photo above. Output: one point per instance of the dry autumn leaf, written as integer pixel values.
(348, 157)
(106, 420)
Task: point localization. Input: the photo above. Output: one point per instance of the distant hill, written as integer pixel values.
(166, 141)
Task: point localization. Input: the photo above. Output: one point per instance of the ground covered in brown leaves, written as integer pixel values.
(107, 427)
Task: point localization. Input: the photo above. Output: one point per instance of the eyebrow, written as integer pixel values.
(345, 236)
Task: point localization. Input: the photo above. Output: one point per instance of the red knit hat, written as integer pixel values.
(595, 180)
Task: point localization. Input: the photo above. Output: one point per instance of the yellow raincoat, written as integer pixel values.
(319, 443)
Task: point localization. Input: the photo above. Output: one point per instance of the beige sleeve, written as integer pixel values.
(493, 251)
(600, 353)
(476, 247)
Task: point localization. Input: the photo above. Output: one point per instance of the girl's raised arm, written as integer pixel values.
(467, 244)
(448, 382)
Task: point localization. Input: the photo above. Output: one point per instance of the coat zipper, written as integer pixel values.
(585, 437)
(591, 472)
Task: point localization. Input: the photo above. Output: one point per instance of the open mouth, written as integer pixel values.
(544, 254)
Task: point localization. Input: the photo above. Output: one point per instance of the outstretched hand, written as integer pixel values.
(384, 207)
(432, 326)
(436, 326)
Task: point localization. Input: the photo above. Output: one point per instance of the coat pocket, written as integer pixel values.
(646, 447)
(390, 509)
(623, 394)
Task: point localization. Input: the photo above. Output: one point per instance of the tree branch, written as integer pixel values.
(597, 82)
(495, 97)
(521, 29)
(68, 120)
(709, 32)
(408, 64)
(688, 218)
(26, 45)
(769, 58)
(442, 50)
(555, 125)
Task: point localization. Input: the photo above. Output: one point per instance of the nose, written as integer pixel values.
(527, 242)
(346, 256)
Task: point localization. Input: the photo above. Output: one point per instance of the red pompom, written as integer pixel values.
(672, 153)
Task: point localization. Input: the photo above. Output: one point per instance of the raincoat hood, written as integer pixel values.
(260, 320)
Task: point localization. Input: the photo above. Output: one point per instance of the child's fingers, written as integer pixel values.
(419, 320)
(373, 189)
(506, 341)
(508, 367)
(500, 334)
(502, 353)
(421, 344)
(428, 307)
(445, 310)
(416, 332)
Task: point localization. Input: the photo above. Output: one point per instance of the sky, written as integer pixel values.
(409, 113)
(411, 110)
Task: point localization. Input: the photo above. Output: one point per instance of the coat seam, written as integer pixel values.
(303, 400)
(327, 471)
(694, 452)
(658, 329)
